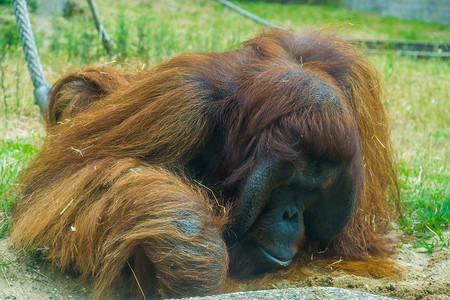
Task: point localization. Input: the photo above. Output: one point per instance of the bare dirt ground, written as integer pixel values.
(425, 276)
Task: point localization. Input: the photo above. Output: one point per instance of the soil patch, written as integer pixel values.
(425, 276)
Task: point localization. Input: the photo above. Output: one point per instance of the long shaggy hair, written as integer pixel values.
(109, 192)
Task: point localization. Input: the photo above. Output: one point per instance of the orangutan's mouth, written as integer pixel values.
(273, 260)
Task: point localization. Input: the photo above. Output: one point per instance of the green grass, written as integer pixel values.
(146, 32)
(356, 24)
(426, 196)
(417, 99)
(14, 155)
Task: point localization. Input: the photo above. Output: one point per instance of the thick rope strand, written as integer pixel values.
(41, 87)
(248, 14)
(108, 44)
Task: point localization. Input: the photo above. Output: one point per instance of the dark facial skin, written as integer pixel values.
(315, 205)
(274, 239)
(280, 206)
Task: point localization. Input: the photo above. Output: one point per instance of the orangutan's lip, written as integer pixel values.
(273, 260)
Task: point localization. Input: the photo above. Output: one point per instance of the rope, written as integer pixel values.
(106, 40)
(247, 14)
(398, 48)
(41, 87)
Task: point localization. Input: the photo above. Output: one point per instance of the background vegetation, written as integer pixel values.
(146, 32)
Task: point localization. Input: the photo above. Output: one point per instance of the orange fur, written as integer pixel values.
(374, 267)
(121, 207)
(108, 187)
(76, 92)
